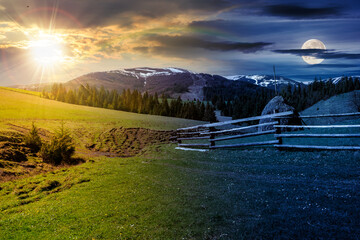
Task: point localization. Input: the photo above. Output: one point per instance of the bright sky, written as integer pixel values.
(58, 40)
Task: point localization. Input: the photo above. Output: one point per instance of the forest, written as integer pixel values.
(299, 96)
(132, 101)
(234, 102)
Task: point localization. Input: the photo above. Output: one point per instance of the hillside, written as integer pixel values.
(267, 81)
(16, 107)
(170, 81)
(337, 80)
(96, 131)
(164, 193)
(343, 103)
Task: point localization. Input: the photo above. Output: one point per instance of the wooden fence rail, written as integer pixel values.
(209, 133)
(268, 116)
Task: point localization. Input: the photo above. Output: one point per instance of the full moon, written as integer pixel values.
(313, 44)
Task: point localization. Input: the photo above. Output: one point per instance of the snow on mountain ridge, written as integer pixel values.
(336, 80)
(264, 80)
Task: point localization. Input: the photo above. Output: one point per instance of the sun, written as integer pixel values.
(47, 50)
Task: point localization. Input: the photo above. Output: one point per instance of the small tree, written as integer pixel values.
(33, 140)
(60, 149)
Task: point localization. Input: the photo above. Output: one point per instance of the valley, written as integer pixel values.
(153, 191)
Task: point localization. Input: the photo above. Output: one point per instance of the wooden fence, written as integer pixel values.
(212, 135)
(281, 135)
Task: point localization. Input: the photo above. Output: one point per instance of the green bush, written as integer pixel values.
(32, 139)
(60, 149)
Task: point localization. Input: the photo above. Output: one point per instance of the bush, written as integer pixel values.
(60, 149)
(32, 139)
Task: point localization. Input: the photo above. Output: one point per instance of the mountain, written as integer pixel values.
(265, 80)
(171, 81)
(337, 80)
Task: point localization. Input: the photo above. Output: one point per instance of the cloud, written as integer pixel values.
(300, 12)
(181, 42)
(11, 56)
(90, 13)
(319, 53)
(340, 65)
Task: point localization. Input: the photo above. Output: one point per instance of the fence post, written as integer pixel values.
(212, 136)
(178, 137)
(277, 132)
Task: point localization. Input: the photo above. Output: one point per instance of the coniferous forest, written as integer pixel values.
(132, 101)
(246, 104)
(235, 103)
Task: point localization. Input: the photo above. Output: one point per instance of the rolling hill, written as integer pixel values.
(22, 108)
(164, 193)
(171, 81)
(343, 103)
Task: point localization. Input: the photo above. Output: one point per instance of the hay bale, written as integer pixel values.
(277, 105)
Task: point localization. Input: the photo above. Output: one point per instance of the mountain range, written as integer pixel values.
(172, 81)
(265, 80)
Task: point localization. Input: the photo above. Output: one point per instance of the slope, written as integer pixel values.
(170, 81)
(343, 103)
(267, 81)
(168, 194)
(19, 108)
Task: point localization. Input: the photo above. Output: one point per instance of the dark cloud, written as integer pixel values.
(301, 12)
(70, 13)
(217, 23)
(319, 53)
(340, 65)
(194, 42)
(301, 52)
(13, 56)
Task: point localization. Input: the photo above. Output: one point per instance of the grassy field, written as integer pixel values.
(164, 193)
(19, 111)
(170, 194)
(25, 108)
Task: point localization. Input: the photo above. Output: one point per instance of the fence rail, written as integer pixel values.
(275, 115)
(312, 147)
(209, 133)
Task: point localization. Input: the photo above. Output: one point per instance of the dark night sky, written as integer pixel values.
(223, 37)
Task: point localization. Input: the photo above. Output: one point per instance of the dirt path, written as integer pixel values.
(127, 142)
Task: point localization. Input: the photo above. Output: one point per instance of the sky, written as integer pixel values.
(58, 40)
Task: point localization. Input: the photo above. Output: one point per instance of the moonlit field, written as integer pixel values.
(182, 119)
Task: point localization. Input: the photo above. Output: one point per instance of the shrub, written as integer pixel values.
(60, 149)
(32, 139)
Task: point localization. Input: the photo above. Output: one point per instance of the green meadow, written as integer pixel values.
(164, 193)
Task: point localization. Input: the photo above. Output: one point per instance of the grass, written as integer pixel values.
(163, 193)
(170, 194)
(342, 103)
(15, 106)
(18, 111)
(21, 91)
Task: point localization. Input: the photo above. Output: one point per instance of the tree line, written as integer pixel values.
(132, 101)
(303, 97)
(239, 103)
(251, 103)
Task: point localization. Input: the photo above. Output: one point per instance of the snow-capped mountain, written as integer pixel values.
(267, 81)
(337, 80)
(171, 81)
(149, 72)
